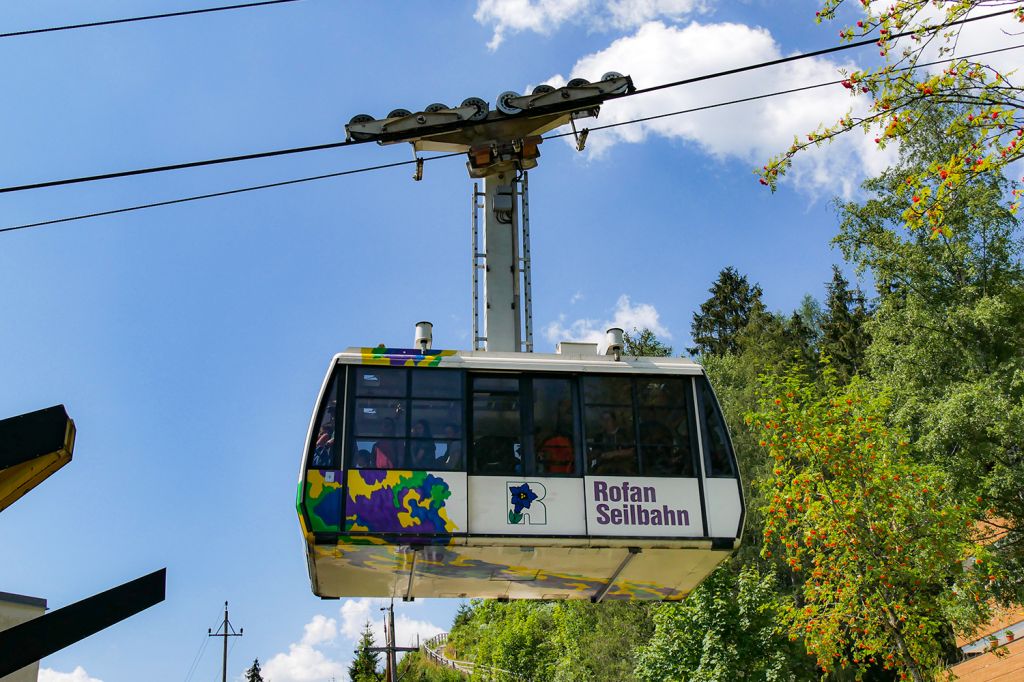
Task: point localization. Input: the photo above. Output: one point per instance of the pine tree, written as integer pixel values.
(253, 674)
(716, 328)
(643, 343)
(364, 666)
(843, 338)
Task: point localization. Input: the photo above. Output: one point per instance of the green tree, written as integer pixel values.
(644, 343)
(877, 539)
(844, 338)
(364, 667)
(728, 628)
(716, 328)
(598, 642)
(946, 332)
(416, 667)
(253, 674)
(985, 125)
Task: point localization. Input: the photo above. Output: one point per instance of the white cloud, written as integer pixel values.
(317, 656)
(356, 612)
(750, 132)
(76, 675)
(626, 316)
(540, 16)
(319, 630)
(547, 16)
(302, 663)
(305, 662)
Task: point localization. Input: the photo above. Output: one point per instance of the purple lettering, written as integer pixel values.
(649, 495)
(602, 514)
(616, 515)
(601, 492)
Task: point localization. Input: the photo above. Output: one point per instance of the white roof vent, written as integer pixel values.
(576, 348)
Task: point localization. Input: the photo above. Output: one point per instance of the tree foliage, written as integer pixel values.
(644, 343)
(728, 628)
(716, 328)
(877, 538)
(253, 674)
(365, 666)
(904, 88)
(844, 338)
(946, 331)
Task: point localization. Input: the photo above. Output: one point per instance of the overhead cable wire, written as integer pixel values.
(396, 164)
(815, 53)
(777, 93)
(348, 143)
(128, 20)
(225, 193)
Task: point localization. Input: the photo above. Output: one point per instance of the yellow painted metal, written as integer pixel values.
(17, 480)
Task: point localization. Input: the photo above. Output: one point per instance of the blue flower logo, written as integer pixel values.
(522, 497)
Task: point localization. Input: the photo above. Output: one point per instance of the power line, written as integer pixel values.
(300, 180)
(335, 145)
(166, 15)
(777, 93)
(806, 55)
(229, 192)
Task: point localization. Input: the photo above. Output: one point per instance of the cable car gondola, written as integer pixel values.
(573, 475)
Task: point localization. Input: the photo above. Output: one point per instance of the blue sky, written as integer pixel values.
(188, 342)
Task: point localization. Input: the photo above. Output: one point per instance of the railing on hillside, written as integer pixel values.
(434, 649)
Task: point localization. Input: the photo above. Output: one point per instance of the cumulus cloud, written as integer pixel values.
(625, 315)
(355, 613)
(320, 629)
(547, 16)
(750, 132)
(302, 663)
(325, 649)
(76, 675)
(305, 661)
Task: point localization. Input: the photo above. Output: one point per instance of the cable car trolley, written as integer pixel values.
(506, 474)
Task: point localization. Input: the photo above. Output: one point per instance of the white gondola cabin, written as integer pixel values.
(438, 473)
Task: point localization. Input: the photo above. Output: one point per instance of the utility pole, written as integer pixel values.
(389, 648)
(228, 631)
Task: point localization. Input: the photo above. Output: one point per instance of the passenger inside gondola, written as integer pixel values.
(452, 460)
(386, 454)
(612, 451)
(424, 450)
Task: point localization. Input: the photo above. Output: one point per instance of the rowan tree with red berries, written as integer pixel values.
(921, 69)
(882, 555)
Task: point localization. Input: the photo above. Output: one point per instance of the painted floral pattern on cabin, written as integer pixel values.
(323, 500)
(403, 357)
(396, 502)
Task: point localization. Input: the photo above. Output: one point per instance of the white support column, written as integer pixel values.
(502, 312)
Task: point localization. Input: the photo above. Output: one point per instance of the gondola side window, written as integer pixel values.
(717, 450)
(407, 419)
(554, 423)
(666, 432)
(610, 427)
(497, 426)
(324, 454)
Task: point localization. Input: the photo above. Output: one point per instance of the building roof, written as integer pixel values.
(22, 599)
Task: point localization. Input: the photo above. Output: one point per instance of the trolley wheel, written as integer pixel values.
(503, 102)
(360, 118)
(481, 108)
(578, 82)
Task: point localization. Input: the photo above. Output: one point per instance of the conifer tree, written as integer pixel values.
(253, 674)
(844, 339)
(722, 317)
(364, 665)
(644, 343)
